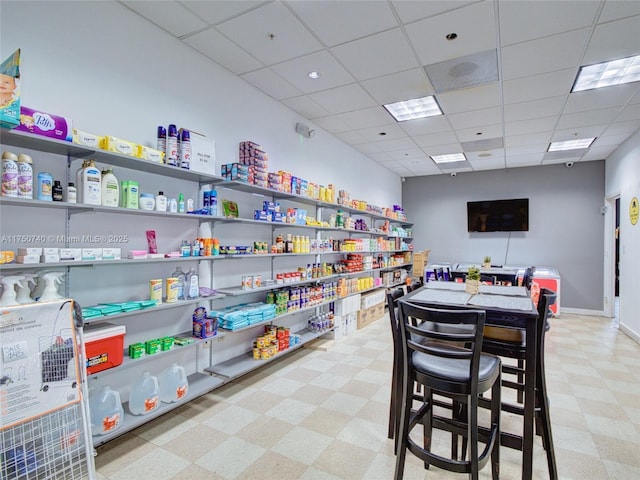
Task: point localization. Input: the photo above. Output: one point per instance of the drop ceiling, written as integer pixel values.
(369, 53)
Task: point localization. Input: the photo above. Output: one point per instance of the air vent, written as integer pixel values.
(464, 72)
(483, 145)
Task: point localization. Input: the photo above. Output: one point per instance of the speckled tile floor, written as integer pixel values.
(323, 415)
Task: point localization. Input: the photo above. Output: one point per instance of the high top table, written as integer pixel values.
(505, 307)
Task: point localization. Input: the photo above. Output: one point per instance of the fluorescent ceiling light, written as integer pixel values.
(615, 72)
(451, 157)
(413, 109)
(571, 144)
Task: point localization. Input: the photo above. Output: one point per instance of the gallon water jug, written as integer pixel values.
(173, 384)
(106, 411)
(144, 396)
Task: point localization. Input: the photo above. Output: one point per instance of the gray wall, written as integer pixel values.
(565, 222)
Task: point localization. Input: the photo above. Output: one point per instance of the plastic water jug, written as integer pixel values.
(174, 385)
(106, 409)
(145, 394)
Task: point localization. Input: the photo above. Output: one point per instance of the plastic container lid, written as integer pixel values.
(95, 334)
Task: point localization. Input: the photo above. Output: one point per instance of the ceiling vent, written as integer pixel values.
(464, 72)
(483, 145)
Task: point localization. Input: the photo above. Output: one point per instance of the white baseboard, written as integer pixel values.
(630, 333)
(580, 311)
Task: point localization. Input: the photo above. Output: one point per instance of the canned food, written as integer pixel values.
(256, 353)
(257, 281)
(247, 282)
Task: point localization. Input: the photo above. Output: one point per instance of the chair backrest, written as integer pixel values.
(527, 278)
(392, 304)
(414, 285)
(437, 333)
(545, 300)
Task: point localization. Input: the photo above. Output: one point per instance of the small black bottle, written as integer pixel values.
(56, 191)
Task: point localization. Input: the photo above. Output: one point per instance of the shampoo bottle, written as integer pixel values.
(192, 284)
(110, 189)
(91, 185)
(181, 206)
(180, 275)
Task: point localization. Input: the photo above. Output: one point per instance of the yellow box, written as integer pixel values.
(7, 256)
(117, 145)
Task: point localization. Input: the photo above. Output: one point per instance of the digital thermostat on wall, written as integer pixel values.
(634, 210)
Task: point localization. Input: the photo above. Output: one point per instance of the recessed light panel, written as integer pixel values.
(571, 144)
(451, 157)
(606, 74)
(413, 109)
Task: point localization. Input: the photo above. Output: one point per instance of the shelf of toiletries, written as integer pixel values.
(240, 365)
(48, 145)
(100, 263)
(199, 384)
(154, 309)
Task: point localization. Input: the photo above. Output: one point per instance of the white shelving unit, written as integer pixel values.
(215, 373)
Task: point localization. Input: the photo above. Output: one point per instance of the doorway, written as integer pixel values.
(611, 279)
(616, 256)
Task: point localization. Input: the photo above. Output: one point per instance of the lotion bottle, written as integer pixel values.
(85, 164)
(91, 185)
(161, 202)
(110, 189)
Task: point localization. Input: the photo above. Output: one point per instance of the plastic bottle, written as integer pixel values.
(25, 176)
(182, 278)
(45, 186)
(172, 205)
(162, 139)
(161, 202)
(172, 146)
(106, 410)
(9, 174)
(213, 203)
(110, 190)
(85, 164)
(51, 281)
(185, 149)
(174, 385)
(181, 206)
(71, 194)
(192, 284)
(9, 294)
(145, 394)
(56, 191)
(91, 184)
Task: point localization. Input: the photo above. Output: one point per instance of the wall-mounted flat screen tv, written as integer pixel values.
(498, 215)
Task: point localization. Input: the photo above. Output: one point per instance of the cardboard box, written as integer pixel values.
(45, 124)
(420, 260)
(370, 315)
(372, 299)
(10, 99)
(203, 153)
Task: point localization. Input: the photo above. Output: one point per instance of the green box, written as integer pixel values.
(137, 350)
(166, 343)
(152, 346)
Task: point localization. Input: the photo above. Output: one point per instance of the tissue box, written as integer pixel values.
(45, 124)
(151, 154)
(117, 145)
(87, 139)
(10, 106)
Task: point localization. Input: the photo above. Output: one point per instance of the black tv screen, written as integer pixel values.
(498, 215)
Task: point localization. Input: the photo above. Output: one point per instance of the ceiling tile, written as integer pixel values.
(488, 131)
(538, 108)
(426, 126)
(380, 54)
(592, 117)
(364, 17)
(533, 125)
(306, 107)
(598, 153)
(622, 128)
(251, 31)
(527, 160)
(414, 154)
(396, 144)
(413, 10)
(391, 132)
(527, 149)
(476, 118)
(543, 55)
(170, 16)
(399, 86)
(351, 137)
(332, 74)
(536, 139)
(526, 20)
(589, 131)
(487, 163)
(332, 124)
(600, 98)
(474, 24)
(383, 158)
(538, 87)
(485, 145)
(371, 149)
(220, 10)
(442, 138)
(467, 99)
(367, 117)
(343, 99)
(617, 10)
(215, 46)
(271, 84)
(442, 149)
(614, 40)
(469, 71)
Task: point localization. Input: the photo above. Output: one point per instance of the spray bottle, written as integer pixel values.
(39, 288)
(51, 281)
(9, 290)
(24, 288)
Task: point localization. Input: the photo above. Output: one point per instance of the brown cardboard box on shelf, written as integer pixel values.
(369, 315)
(420, 260)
